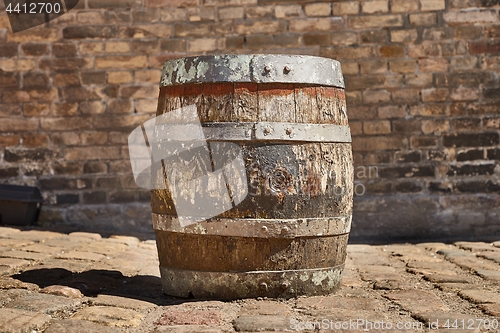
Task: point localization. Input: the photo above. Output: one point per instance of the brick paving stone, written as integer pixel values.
(266, 307)
(447, 278)
(457, 286)
(261, 323)
(127, 240)
(88, 235)
(80, 255)
(417, 301)
(42, 248)
(378, 273)
(66, 243)
(14, 320)
(491, 309)
(333, 301)
(440, 318)
(62, 291)
(390, 285)
(122, 302)
(491, 256)
(186, 329)
(434, 266)
(104, 248)
(45, 303)
(434, 246)
(24, 255)
(151, 269)
(190, 317)
(489, 275)
(480, 296)
(10, 283)
(497, 244)
(75, 266)
(75, 325)
(340, 314)
(7, 296)
(473, 263)
(6, 243)
(7, 230)
(13, 263)
(33, 235)
(477, 246)
(110, 316)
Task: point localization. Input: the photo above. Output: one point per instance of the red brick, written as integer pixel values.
(471, 16)
(407, 6)
(318, 9)
(404, 36)
(407, 96)
(464, 94)
(485, 47)
(403, 66)
(375, 6)
(121, 62)
(432, 5)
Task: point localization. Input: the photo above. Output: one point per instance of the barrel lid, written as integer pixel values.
(257, 68)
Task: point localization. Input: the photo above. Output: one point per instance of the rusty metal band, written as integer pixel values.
(237, 68)
(264, 131)
(261, 228)
(234, 285)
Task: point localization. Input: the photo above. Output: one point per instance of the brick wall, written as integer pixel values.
(422, 86)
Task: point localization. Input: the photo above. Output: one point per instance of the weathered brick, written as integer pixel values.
(481, 47)
(407, 6)
(468, 32)
(171, 3)
(121, 62)
(470, 16)
(146, 15)
(282, 11)
(376, 96)
(231, 13)
(380, 21)
(317, 38)
(374, 36)
(377, 127)
(344, 38)
(201, 14)
(120, 77)
(80, 32)
(408, 157)
(259, 12)
(392, 51)
(438, 34)
(406, 126)
(378, 143)
(373, 67)
(266, 27)
(314, 24)
(432, 5)
(259, 41)
(435, 95)
(349, 52)
(404, 36)
(432, 65)
(471, 170)
(464, 94)
(318, 9)
(406, 172)
(471, 140)
(112, 3)
(423, 19)
(435, 126)
(375, 6)
(403, 66)
(408, 96)
(34, 49)
(470, 155)
(391, 111)
(117, 47)
(423, 141)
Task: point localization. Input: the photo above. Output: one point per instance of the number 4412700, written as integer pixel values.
(34, 8)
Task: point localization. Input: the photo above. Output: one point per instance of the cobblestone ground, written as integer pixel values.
(54, 283)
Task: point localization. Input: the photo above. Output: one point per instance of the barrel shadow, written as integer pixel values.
(108, 282)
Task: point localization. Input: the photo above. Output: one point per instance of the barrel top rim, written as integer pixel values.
(253, 68)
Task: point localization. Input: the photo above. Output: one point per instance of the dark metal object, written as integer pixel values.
(19, 205)
(253, 68)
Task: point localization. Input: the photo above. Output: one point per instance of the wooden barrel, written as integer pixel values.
(288, 236)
